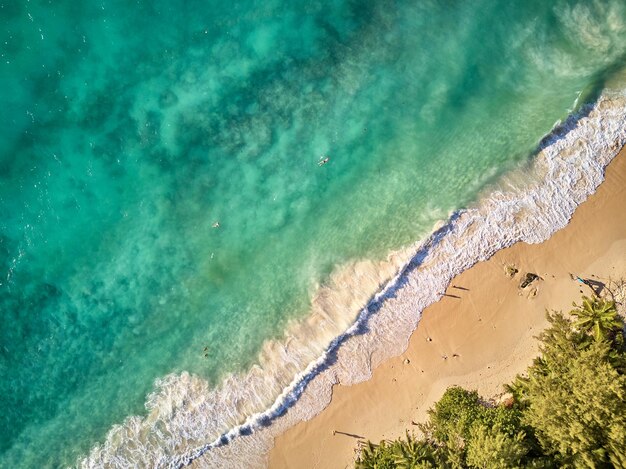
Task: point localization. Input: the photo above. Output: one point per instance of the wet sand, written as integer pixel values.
(480, 335)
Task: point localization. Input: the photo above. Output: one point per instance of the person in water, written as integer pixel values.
(324, 161)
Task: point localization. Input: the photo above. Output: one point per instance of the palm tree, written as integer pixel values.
(598, 317)
(413, 453)
(373, 456)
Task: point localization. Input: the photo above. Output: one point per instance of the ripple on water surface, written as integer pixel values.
(129, 130)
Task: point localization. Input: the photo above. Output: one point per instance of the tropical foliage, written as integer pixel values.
(596, 317)
(568, 410)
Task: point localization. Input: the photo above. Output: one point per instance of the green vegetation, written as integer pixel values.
(568, 410)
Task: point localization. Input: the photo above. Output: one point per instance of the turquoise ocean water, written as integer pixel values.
(129, 128)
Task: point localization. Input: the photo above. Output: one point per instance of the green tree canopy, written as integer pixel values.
(597, 317)
(579, 416)
(569, 409)
(493, 448)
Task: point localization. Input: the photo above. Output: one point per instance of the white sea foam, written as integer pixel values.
(233, 425)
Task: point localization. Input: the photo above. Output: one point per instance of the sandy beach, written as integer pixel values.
(479, 336)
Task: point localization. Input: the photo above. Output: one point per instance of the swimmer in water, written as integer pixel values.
(216, 224)
(324, 161)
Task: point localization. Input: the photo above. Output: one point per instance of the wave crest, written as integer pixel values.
(233, 425)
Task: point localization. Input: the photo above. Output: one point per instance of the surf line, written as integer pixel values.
(560, 138)
(296, 388)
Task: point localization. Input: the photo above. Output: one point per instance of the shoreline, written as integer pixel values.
(529, 204)
(235, 423)
(478, 337)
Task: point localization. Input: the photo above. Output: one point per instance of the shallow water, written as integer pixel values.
(130, 129)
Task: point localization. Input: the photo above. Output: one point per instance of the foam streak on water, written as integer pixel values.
(234, 425)
(129, 128)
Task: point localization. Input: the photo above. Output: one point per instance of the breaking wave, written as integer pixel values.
(234, 424)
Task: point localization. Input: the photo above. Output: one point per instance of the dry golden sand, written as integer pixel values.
(480, 340)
